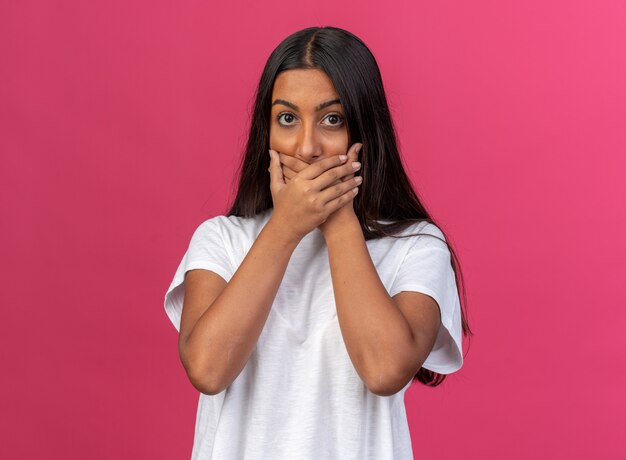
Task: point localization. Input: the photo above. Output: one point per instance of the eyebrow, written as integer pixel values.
(323, 105)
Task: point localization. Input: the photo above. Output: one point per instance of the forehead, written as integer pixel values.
(303, 86)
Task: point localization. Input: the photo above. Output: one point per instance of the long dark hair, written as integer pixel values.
(386, 192)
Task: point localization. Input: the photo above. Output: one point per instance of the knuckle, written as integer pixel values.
(335, 161)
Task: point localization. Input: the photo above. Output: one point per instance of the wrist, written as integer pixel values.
(282, 233)
(348, 228)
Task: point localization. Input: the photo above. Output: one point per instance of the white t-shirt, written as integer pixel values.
(299, 395)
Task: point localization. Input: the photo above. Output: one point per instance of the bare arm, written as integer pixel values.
(387, 338)
(221, 322)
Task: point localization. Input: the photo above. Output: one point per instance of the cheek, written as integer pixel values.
(336, 143)
(332, 143)
(279, 142)
(338, 148)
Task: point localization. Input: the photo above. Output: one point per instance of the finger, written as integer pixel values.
(355, 150)
(314, 170)
(337, 190)
(353, 155)
(288, 172)
(294, 163)
(276, 173)
(332, 175)
(341, 200)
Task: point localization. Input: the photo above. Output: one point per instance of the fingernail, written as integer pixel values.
(356, 164)
(358, 149)
(343, 157)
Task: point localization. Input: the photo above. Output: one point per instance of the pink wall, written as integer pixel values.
(120, 128)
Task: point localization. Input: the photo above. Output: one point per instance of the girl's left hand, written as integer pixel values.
(292, 165)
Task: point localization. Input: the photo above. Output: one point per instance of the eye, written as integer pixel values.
(334, 119)
(285, 118)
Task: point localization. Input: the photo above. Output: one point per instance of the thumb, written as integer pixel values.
(276, 172)
(353, 155)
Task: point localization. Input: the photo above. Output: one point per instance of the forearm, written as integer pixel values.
(374, 329)
(224, 336)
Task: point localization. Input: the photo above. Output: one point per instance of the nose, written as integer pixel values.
(309, 148)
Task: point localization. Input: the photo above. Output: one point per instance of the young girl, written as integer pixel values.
(307, 311)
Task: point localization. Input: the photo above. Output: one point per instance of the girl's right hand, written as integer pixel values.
(308, 198)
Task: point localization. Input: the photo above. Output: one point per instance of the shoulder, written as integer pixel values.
(424, 235)
(232, 227)
(417, 229)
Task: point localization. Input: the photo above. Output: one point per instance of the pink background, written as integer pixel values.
(121, 124)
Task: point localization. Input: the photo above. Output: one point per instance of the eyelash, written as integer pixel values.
(341, 119)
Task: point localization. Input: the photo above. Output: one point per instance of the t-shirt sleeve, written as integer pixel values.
(427, 268)
(206, 250)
